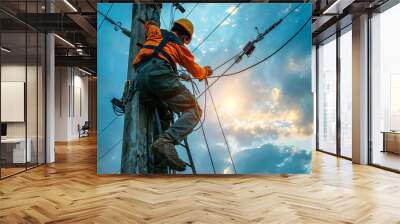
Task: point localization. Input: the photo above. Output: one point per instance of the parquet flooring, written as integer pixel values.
(70, 191)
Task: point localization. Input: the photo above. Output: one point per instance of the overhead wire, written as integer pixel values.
(218, 25)
(105, 16)
(203, 113)
(257, 63)
(208, 148)
(190, 12)
(222, 131)
(201, 126)
(172, 16)
(163, 21)
(266, 58)
(195, 88)
(110, 149)
(108, 125)
(261, 36)
(208, 86)
(216, 28)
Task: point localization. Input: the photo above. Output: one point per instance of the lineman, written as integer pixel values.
(158, 83)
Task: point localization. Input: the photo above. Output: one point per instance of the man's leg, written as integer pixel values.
(170, 91)
(184, 103)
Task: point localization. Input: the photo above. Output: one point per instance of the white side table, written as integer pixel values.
(19, 155)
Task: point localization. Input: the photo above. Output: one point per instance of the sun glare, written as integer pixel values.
(231, 105)
(292, 116)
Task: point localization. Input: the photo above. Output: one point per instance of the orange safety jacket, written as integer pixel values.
(177, 52)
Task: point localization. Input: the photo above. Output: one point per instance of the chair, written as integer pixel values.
(84, 130)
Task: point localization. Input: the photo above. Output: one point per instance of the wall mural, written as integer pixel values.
(196, 88)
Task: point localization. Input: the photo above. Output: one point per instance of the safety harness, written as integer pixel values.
(168, 37)
(129, 90)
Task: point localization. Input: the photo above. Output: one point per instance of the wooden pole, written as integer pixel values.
(136, 156)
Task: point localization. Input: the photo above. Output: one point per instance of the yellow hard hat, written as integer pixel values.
(186, 24)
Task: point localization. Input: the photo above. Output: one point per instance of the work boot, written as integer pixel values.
(165, 148)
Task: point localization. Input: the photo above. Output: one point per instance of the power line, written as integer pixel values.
(190, 12)
(105, 16)
(222, 131)
(162, 20)
(208, 148)
(204, 111)
(108, 125)
(224, 63)
(257, 63)
(259, 38)
(110, 149)
(215, 29)
(208, 87)
(212, 99)
(172, 16)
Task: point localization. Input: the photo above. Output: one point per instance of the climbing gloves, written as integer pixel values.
(209, 72)
(165, 148)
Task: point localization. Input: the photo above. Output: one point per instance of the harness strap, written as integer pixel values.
(158, 49)
(167, 38)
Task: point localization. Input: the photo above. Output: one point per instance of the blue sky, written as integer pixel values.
(267, 112)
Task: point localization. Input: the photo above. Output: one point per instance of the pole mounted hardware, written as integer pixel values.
(179, 7)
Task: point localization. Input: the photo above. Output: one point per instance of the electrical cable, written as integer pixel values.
(290, 12)
(258, 39)
(222, 130)
(109, 149)
(172, 16)
(104, 16)
(107, 126)
(208, 148)
(215, 29)
(190, 12)
(212, 99)
(203, 113)
(257, 63)
(208, 86)
(163, 21)
(202, 127)
(225, 62)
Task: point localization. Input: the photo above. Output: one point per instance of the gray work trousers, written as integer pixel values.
(159, 86)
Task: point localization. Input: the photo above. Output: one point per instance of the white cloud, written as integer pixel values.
(227, 171)
(286, 10)
(296, 65)
(226, 22)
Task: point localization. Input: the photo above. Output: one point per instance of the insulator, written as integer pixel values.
(249, 48)
(179, 7)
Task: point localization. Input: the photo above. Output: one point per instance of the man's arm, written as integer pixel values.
(186, 59)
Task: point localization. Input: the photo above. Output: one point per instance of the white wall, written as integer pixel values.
(71, 94)
(16, 73)
(34, 125)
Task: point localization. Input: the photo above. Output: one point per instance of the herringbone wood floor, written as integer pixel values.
(69, 191)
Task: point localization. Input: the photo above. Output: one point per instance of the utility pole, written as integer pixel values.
(139, 121)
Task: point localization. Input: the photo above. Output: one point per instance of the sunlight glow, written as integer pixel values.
(231, 105)
(233, 10)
